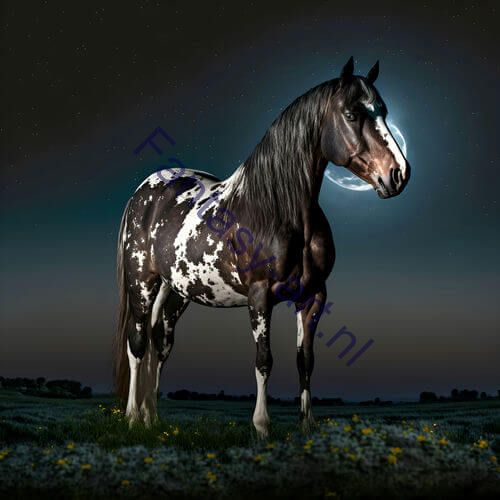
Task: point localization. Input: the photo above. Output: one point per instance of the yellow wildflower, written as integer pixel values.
(493, 459)
(352, 456)
(396, 450)
(176, 431)
(61, 461)
(482, 443)
(125, 482)
(367, 431)
(70, 445)
(355, 418)
(347, 428)
(86, 466)
(210, 455)
(211, 477)
(426, 428)
(443, 441)
(257, 458)
(308, 444)
(421, 438)
(392, 459)
(148, 460)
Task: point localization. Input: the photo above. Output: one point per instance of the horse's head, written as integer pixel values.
(355, 134)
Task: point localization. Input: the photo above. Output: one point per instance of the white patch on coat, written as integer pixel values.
(154, 230)
(205, 272)
(153, 180)
(261, 328)
(145, 294)
(140, 255)
(386, 135)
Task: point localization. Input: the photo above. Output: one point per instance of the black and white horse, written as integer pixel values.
(254, 239)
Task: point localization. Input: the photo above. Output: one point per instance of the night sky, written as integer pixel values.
(419, 274)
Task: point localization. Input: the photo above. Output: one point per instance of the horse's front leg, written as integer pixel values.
(260, 318)
(307, 322)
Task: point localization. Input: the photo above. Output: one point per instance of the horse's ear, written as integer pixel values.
(373, 73)
(347, 71)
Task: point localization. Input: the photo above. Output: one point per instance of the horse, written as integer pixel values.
(255, 239)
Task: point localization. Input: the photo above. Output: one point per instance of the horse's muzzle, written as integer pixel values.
(393, 182)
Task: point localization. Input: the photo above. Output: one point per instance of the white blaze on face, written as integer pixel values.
(393, 146)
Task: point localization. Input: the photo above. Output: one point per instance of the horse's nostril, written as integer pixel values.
(395, 177)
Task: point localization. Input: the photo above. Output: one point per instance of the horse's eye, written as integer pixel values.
(350, 116)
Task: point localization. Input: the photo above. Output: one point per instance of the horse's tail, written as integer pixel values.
(121, 366)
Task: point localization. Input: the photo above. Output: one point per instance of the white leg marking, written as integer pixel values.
(260, 416)
(132, 404)
(300, 330)
(305, 405)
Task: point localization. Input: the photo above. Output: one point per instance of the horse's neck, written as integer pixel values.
(278, 186)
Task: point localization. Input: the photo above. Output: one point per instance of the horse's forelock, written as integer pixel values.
(358, 90)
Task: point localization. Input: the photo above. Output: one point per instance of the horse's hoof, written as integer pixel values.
(262, 429)
(307, 425)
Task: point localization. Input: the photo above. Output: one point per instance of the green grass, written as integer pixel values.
(210, 448)
(209, 425)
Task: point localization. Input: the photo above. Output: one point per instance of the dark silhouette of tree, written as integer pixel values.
(428, 397)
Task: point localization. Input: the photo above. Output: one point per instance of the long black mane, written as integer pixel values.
(271, 185)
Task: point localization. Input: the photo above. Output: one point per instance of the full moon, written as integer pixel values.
(345, 179)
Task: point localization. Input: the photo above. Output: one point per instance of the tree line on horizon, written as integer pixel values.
(47, 388)
(456, 396)
(73, 389)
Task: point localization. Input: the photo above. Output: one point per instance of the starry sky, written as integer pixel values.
(83, 85)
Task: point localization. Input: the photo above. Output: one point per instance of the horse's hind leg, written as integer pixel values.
(167, 309)
(141, 296)
(150, 363)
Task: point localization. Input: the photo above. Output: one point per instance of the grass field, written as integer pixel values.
(80, 448)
